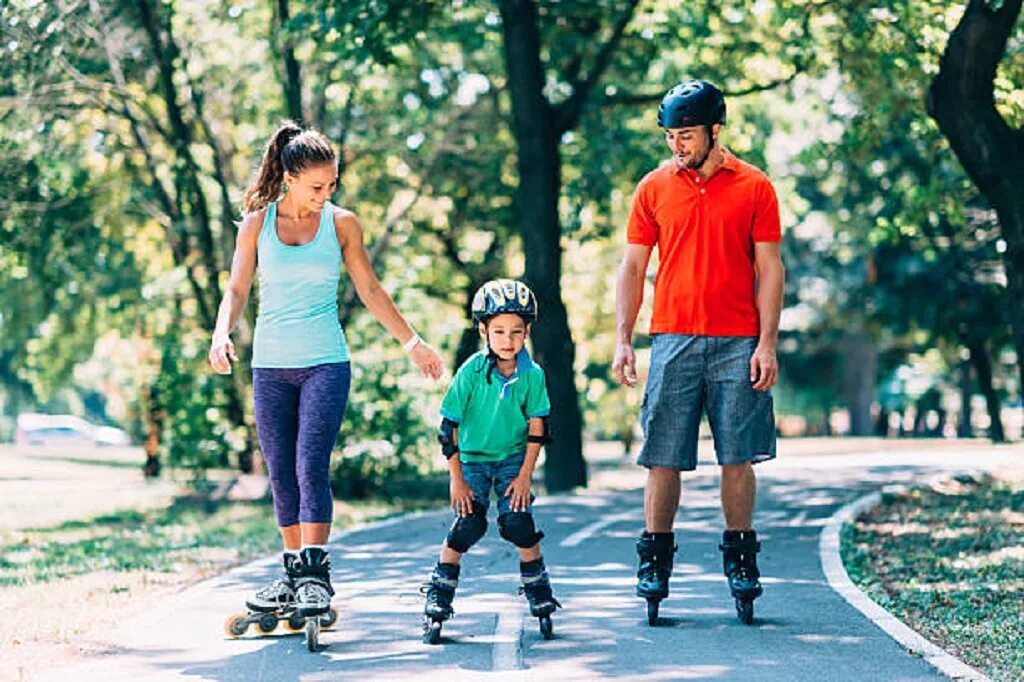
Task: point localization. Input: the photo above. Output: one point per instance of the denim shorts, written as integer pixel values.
(483, 476)
(692, 374)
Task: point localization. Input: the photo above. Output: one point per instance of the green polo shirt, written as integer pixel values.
(494, 416)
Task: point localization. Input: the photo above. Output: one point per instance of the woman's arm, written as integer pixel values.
(243, 267)
(375, 297)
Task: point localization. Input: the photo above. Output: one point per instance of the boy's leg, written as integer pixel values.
(465, 532)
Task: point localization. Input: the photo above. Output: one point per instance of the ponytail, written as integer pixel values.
(290, 149)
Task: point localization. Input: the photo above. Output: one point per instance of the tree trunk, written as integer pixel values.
(961, 100)
(539, 168)
(291, 80)
(965, 430)
(859, 381)
(983, 368)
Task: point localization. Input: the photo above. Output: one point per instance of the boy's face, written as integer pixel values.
(505, 334)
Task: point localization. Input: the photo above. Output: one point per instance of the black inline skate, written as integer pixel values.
(537, 588)
(656, 551)
(313, 593)
(274, 605)
(739, 562)
(440, 591)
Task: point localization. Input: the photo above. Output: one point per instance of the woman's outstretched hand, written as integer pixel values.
(427, 359)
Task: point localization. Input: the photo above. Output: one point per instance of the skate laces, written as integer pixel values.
(280, 588)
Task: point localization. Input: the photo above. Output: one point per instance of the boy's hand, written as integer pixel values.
(519, 492)
(462, 496)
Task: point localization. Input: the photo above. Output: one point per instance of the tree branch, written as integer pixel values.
(567, 114)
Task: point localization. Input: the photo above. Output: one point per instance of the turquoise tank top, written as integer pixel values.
(297, 323)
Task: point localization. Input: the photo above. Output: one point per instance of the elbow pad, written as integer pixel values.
(544, 437)
(446, 437)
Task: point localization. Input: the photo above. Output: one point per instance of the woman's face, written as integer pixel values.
(311, 188)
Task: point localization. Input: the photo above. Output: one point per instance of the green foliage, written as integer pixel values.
(946, 560)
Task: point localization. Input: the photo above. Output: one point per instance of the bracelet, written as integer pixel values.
(411, 343)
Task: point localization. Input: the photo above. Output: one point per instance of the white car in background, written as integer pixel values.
(65, 429)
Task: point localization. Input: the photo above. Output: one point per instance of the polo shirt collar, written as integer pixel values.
(729, 163)
(523, 364)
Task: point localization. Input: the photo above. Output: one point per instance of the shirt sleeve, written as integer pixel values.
(767, 225)
(453, 406)
(537, 402)
(642, 227)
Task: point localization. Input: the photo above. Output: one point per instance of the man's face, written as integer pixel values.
(505, 334)
(689, 146)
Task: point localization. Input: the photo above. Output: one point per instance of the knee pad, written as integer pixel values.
(517, 528)
(466, 531)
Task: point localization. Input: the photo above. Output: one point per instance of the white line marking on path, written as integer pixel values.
(587, 531)
(835, 573)
(508, 632)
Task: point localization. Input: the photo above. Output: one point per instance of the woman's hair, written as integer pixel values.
(291, 148)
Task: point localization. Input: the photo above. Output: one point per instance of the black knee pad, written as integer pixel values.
(466, 531)
(517, 528)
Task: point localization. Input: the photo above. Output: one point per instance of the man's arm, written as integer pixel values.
(629, 295)
(771, 279)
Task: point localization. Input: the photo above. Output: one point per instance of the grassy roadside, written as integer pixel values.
(948, 560)
(71, 582)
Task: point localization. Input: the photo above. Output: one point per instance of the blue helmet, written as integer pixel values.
(501, 296)
(692, 103)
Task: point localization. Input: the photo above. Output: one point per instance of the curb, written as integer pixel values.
(839, 580)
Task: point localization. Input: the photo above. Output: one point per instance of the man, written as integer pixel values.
(717, 299)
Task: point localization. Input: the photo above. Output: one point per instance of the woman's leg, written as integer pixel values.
(322, 401)
(276, 399)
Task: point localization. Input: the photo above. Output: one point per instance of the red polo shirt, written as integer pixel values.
(705, 232)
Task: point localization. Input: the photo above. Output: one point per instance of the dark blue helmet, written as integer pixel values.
(692, 103)
(504, 296)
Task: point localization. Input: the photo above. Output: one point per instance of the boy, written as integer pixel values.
(494, 417)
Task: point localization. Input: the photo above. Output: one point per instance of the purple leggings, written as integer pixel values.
(298, 416)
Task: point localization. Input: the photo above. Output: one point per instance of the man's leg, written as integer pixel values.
(661, 499)
(739, 491)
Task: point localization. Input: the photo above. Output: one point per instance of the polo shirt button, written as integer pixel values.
(702, 191)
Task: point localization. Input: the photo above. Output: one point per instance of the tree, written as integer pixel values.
(962, 99)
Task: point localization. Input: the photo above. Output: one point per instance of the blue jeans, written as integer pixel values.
(692, 374)
(483, 476)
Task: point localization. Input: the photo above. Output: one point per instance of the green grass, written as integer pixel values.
(949, 561)
(192, 530)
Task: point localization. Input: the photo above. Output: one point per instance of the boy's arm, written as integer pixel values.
(536, 428)
(461, 494)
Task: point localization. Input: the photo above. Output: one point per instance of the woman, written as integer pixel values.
(301, 369)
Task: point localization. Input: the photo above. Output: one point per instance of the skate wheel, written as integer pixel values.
(652, 611)
(295, 622)
(267, 623)
(312, 633)
(329, 619)
(432, 632)
(745, 610)
(235, 626)
(546, 628)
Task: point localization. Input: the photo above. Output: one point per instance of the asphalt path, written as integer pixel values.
(803, 630)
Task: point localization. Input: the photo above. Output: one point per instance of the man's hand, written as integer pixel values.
(462, 496)
(519, 492)
(624, 365)
(764, 368)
